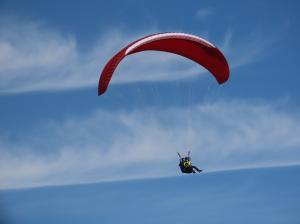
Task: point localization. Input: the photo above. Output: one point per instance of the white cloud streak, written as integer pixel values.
(204, 13)
(123, 145)
(252, 48)
(35, 58)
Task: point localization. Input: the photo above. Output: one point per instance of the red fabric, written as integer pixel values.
(202, 53)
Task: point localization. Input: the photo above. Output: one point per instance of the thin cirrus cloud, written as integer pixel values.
(204, 13)
(124, 145)
(253, 48)
(36, 58)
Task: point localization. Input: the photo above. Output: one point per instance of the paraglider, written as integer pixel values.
(189, 46)
(185, 164)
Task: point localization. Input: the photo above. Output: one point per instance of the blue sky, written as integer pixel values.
(55, 130)
(244, 196)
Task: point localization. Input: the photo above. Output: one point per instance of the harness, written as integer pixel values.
(187, 164)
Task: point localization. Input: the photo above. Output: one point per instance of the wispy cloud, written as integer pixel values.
(246, 49)
(204, 13)
(123, 145)
(36, 58)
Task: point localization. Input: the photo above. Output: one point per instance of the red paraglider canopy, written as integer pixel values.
(186, 45)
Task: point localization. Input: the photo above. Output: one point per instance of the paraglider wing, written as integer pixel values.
(186, 45)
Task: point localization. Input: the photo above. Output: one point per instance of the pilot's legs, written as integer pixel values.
(196, 168)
